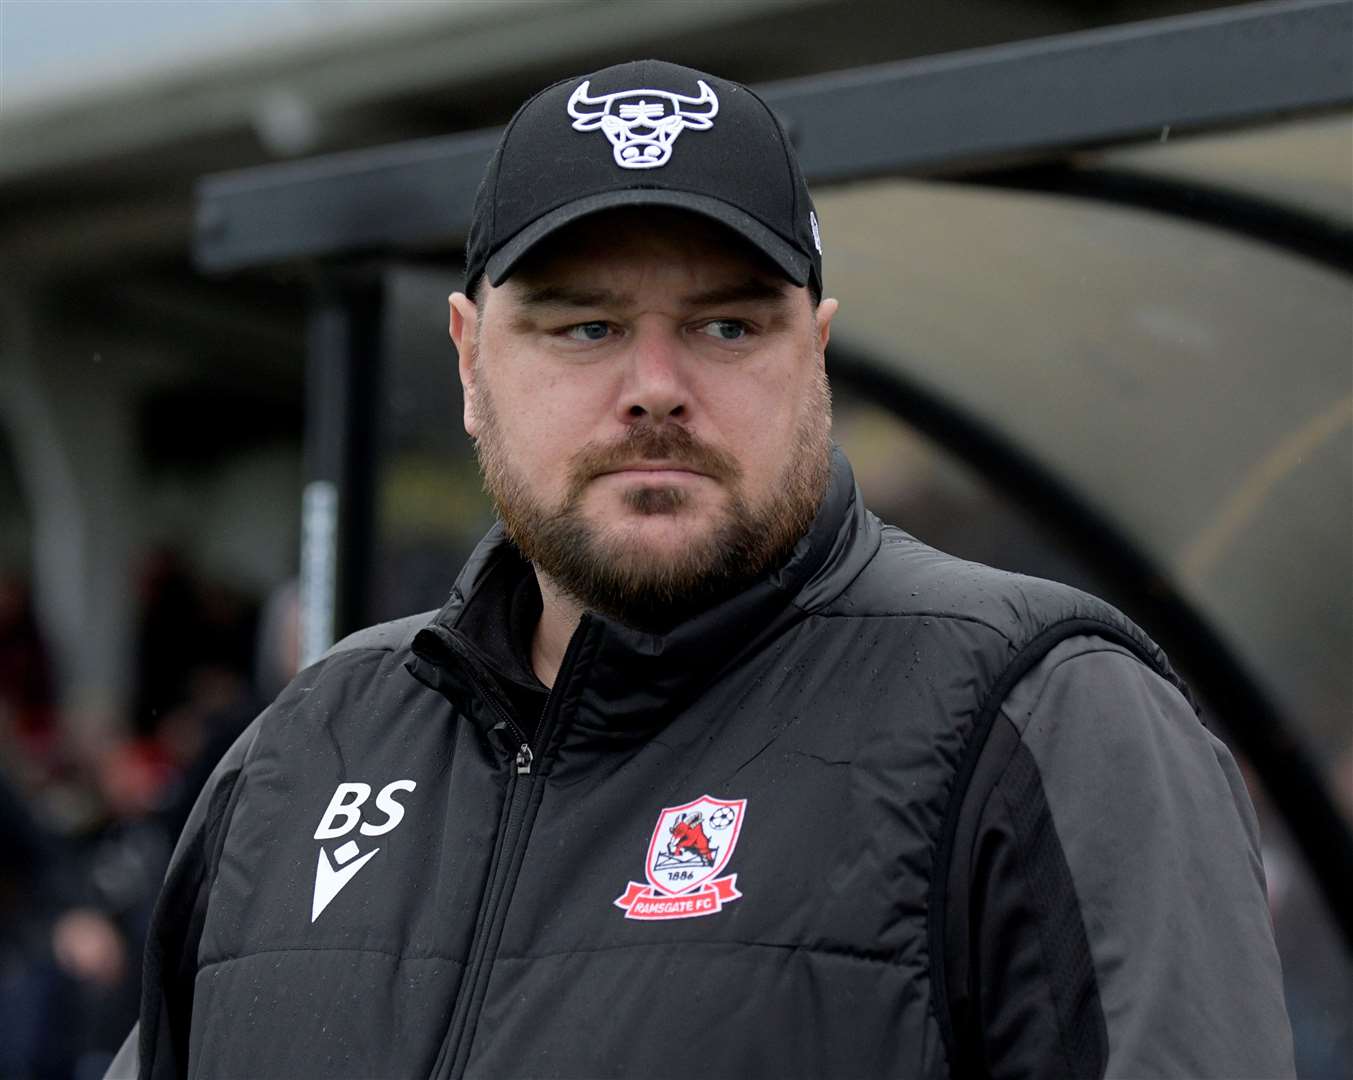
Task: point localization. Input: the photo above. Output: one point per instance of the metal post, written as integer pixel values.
(342, 376)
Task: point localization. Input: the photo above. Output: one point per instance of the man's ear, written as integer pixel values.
(826, 310)
(464, 331)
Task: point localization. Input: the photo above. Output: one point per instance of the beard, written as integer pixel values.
(605, 568)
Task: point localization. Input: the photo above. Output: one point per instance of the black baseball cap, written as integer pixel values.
(644, 133)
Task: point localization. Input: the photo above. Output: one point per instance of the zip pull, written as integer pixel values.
(524, 759)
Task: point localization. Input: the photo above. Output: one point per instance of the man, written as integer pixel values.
(702, 770)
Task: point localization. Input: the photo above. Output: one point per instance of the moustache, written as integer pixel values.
(651, 442)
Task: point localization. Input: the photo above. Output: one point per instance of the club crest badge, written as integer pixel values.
(689, 851)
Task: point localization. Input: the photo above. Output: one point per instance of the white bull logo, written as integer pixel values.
(642, 125)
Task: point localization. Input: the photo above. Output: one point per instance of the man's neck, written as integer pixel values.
(559, 617)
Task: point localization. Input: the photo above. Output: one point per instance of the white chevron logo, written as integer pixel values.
(329, 881)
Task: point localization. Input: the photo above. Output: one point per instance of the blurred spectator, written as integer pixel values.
(72, 917)
(27, 690)
(222, 701)
(166, 638)
(26, 973)
(88, 834)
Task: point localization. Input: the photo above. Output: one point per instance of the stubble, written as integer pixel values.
(606, 569)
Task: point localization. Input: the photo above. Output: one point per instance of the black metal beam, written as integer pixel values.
(952, 113)
(963, 111)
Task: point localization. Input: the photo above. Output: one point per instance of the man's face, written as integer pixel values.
(650, 409)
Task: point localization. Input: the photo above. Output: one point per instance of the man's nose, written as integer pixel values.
(655, 381)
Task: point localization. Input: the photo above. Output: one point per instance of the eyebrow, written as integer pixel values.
(753, 289)
(562, 295)
(570, 296)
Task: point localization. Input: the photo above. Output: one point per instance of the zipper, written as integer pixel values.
(523, 796)
(453, 648)
(524, 757)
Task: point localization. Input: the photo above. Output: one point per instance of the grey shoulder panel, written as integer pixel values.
(1162, 845)
(1043, 616)
(1024, 994)
(386, 636)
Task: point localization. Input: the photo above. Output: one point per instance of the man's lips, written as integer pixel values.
(654, 470)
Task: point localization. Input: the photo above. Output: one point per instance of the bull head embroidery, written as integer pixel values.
(642, 125)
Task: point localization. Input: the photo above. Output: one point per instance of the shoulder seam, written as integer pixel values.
(947, 615)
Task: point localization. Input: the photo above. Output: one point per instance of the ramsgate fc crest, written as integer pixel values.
(690, 849)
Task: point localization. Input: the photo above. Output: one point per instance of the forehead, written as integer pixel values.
(634, 243)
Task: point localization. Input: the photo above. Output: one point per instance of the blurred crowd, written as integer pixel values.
(89, 821)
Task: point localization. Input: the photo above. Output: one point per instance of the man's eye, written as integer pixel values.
(589, 331)
(725, 329)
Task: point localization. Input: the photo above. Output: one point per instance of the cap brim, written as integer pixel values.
(794, 264)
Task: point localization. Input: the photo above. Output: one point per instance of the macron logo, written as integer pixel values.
(329, 881)
(342, 816)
